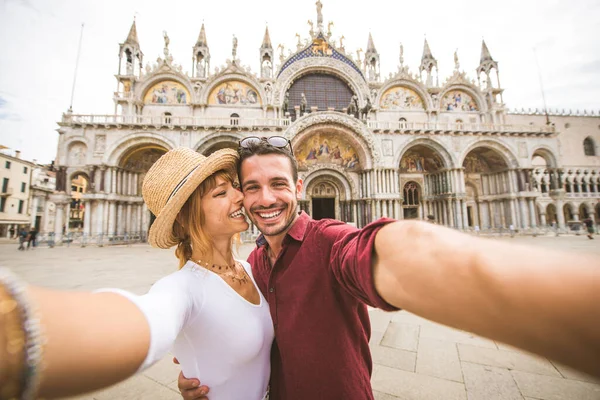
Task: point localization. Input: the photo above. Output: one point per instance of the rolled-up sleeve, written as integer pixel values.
(351, 261)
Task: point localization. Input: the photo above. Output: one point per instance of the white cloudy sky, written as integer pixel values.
(39, 38)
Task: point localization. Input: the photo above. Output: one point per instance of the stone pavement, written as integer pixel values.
(414, 358)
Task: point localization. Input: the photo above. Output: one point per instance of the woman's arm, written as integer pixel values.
(537, 299)
(93, 340)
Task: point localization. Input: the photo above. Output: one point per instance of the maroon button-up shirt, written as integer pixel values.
(317, 291)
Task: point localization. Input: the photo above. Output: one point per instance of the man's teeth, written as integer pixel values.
(270, 215)
(237, 213)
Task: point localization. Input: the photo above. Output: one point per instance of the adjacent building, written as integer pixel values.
(15, 177)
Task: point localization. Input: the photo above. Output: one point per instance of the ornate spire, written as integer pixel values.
(485, 54)
(428, 62)
(266, 44)
(371, 45)
(202, 37)
(132, 37)
(426, 52)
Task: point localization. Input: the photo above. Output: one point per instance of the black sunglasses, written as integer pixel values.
(276, 141)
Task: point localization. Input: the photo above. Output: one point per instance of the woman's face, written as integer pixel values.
(222, 208)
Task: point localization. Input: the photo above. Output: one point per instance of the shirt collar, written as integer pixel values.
(296, 232)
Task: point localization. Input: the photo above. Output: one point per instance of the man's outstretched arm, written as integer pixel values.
(539, 300)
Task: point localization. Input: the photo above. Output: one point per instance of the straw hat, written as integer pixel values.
(170, 182)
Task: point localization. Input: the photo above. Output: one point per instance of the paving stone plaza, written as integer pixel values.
(414, 358)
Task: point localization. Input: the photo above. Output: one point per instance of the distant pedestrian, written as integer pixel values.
(32, 237)
(12, 232)
(431, 218)
(22, 238)
(590, 227)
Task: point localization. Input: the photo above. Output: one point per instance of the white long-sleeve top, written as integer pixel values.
(217, 335)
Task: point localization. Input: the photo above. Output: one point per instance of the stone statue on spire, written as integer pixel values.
(167, 41)
(319, 15)
(234, 49)
(456, 63)
(401, 55)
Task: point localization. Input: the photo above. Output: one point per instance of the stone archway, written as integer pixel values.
(424, 170)
(551, 215)
(79, 185)
(488, 171)
(328, 194)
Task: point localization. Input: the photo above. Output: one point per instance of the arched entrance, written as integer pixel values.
(425, 184)
(486, 170)
(129, 215)
(79, 186)
(411, 195)
(327, 194)
(323, 198)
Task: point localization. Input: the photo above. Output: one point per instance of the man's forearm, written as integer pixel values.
(539, 300)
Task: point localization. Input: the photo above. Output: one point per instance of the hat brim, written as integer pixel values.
(161, 231)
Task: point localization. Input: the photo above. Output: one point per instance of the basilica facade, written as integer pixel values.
(408, 145)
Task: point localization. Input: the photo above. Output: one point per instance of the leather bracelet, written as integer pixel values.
(12, 347)
(30, 332)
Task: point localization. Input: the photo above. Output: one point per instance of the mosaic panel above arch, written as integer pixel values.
(167, 92)
(483, 160)
(234, 92)
(421, 159)
(399, 98)
(327, 148)
(458, 100)
(141, 159)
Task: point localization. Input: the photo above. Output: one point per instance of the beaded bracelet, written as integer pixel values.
(32, 331)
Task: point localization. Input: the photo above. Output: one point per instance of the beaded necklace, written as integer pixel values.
(234, 271)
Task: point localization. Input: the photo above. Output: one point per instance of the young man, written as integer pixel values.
(318, 277)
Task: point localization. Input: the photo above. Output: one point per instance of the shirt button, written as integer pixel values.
(271, 290)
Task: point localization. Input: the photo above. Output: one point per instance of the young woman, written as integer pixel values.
(209, 313)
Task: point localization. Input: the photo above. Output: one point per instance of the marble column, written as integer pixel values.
(560, 216)
(458, 214)
(449, 213)
(58, 222)
(543, 221)
(523, 209)
(120, 222)
(492, 214)
(532, 213)
(46, 217)
(112, 210)
(34, 206)
(98, 222)
(465, 214)
(513, 214)
(128, 219)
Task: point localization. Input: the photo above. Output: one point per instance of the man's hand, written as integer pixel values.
(190, 389)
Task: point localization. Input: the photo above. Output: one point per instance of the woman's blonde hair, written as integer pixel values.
(189, 223)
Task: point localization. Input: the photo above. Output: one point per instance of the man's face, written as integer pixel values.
(270, 193)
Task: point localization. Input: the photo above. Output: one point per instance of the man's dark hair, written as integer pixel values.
(261, 148)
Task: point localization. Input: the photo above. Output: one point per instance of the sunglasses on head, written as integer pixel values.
(276, 141)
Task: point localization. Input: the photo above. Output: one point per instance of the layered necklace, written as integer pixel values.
(234, 271)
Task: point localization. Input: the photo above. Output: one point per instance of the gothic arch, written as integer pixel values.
(546, 153)
(507, 154)
(412, 85)
(113, 155)
(353, 130)
(208, 88)
(325, 65)
(449, 160)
